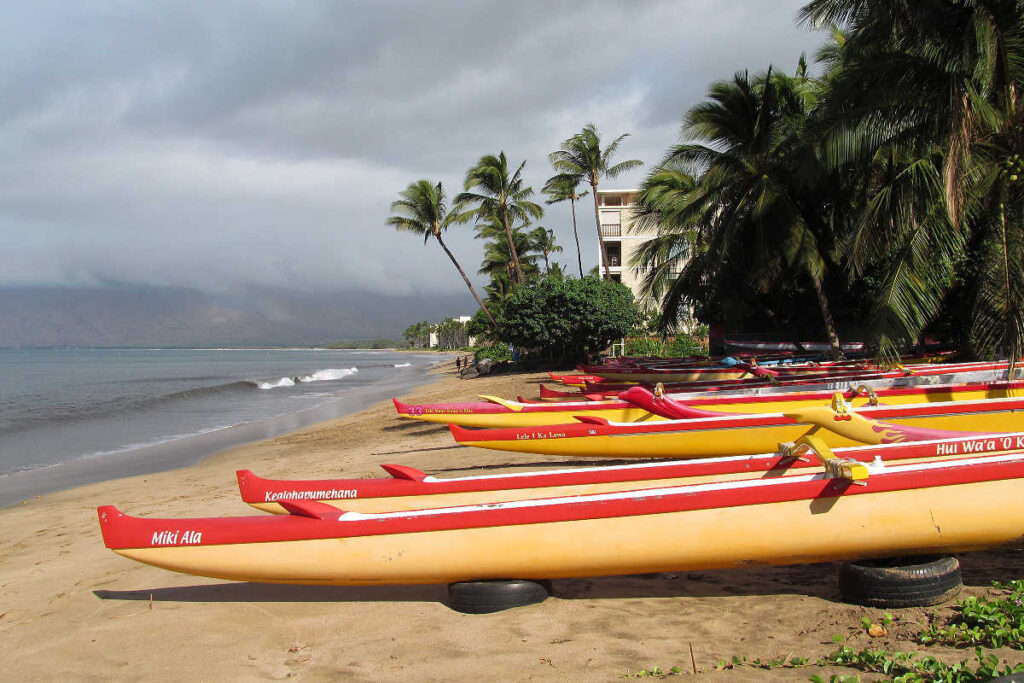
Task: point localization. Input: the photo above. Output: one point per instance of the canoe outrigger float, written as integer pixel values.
(638, 404)
(750, 433)
(410, 489)
(846, 511)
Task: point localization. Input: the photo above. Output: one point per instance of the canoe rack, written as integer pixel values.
(852, 471)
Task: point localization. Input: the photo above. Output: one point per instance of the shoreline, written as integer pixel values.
(186, 451)
(74, 610)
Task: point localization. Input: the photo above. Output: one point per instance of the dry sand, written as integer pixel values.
(70, 609)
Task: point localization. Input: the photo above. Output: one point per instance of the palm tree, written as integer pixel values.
(499, 194)
(543, 240)
(762, 209)
(561, 190)
(582, 158)
(924, 94)
(497, 253)
(664, 207)
(423, 209)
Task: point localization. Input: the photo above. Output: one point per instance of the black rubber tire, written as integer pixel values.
(495, 595)
(900, 581)
(1009, 678)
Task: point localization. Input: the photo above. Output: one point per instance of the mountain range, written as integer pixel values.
(146, 316)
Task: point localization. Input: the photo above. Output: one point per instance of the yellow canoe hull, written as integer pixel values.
(938, 520)
(735, 440)
(528, 418)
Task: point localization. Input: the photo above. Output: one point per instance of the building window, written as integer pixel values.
(611, 200)
(614, 252)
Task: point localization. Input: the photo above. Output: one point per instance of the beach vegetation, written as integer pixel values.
(582, 159)
(568, 318)
(422, 209)
(678, 346)
(451, 334)
(497, 352)
(997, 622)
(417, 335)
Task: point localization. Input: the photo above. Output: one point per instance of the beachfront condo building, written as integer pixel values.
(621, 240)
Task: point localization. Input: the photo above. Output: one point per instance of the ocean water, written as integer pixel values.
(62, 406)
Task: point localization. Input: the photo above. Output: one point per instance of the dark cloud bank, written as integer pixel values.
(250, 150)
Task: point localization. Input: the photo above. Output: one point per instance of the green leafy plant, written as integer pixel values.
(992, 623)
(497, 352)
(910, 667)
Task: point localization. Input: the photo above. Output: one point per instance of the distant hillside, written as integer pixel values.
(178, 317)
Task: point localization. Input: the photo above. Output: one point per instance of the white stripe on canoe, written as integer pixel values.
(351, 516)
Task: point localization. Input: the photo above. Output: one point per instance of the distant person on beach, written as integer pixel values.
(458, 363)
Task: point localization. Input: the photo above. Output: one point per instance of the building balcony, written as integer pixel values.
(611, 229)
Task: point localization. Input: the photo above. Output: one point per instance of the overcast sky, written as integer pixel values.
(219, 143)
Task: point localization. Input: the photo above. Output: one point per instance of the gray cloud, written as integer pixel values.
(225, 144)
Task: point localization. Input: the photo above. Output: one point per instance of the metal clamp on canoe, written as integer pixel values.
(852, 471)
(867, 391)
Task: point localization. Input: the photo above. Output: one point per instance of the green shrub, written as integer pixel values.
(497, 352)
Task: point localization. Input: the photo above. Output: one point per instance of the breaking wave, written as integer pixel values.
(403, 365)
(328, 375)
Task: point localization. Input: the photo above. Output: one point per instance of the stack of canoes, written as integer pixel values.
(793, 473)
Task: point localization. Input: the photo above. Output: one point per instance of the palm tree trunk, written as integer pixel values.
(826, 315)
(512, 246)
(469, 284)
(600, 237)
(579, 254)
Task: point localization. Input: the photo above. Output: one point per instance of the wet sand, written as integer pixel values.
(73, 610)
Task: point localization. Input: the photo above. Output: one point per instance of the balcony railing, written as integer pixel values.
(611, 229)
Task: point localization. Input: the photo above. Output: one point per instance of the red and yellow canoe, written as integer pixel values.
(410, 489)
(935, 507)
(748, 433)
(640, 405)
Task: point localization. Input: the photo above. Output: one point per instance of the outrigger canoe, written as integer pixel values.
(945, 506)
(410, 489)
(638, 404)
(899, 376)
(749, 433)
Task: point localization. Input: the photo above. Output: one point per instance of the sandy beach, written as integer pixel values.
(70, 609)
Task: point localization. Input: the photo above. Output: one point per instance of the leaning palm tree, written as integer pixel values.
(581, 158)
(498, 194)
(561, 190)
(543, 240)
(423, 209)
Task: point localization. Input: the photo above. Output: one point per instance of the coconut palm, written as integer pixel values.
(581, 158)
(422, 209)
(543, 240)
(763, 208)
(559, 189)
(497, 253)
(924, 95)
(501, 195)
(664, 208)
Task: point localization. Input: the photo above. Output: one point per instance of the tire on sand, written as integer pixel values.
(900, 581)
(484, 597)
